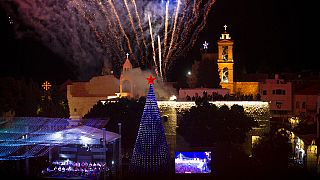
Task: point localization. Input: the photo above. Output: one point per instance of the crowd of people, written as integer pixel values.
(218, 97)
(76, 169)
(183, 168)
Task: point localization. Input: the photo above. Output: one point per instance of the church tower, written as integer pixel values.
(225, 60)
(126, 86)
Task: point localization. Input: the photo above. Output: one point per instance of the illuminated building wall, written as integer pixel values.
(246, 88)
(278, 92)
(171, 110)
(83, 95)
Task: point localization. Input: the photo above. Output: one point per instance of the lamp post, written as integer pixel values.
(279, 104)
(318, 142)
(120, 158)
(104, 151)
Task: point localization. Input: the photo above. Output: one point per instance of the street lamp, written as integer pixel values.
(120, 158)
(278, 104)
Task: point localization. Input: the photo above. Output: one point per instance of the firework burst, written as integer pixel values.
(88, 32)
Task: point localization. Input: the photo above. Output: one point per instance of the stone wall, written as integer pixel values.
(171, 110)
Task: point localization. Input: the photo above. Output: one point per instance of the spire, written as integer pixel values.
(127, 66)
(225, 35)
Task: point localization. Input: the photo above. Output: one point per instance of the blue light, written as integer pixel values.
(150, 153)
(170, 1)
(40, 134)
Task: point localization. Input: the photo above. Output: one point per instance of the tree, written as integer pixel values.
(273, 151)
(206, 125)
(54, 103)
(223, 129)
(125, 111)
(151, 153)
(20, 95)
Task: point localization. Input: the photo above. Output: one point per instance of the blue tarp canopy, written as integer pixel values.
(25, 137)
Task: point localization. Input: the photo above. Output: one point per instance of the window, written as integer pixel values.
(225, 53)
(303, 105)
(279, 92)
(165, 118)
(278, 104)
(297, 105)
(225, 75)
(75, 110)
(284, 92)
(264, 92)
(126, 86)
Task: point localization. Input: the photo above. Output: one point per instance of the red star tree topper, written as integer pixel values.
(150, 79)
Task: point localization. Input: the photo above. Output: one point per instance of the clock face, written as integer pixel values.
(225, 53)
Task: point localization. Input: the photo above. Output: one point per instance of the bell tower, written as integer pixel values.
(225, 60)
(126, 86)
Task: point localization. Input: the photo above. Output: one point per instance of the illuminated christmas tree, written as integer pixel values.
(150, 154)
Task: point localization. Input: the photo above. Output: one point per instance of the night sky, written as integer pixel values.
(267, 38)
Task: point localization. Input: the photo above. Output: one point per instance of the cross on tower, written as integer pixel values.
(127, 55)
(46, 85)
(225, 27)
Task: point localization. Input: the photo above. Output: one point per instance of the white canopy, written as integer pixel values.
(77, 135)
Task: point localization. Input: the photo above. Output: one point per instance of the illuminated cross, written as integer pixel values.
(150, 79)
(205, 45)
(46, 85)
(127, 55)
(225, 27)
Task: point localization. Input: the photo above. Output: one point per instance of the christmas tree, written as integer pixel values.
(150, 154)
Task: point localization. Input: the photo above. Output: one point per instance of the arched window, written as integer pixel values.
(225, 75)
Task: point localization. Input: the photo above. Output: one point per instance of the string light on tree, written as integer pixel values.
(150, 154)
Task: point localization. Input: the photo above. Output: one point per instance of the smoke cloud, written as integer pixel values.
(89, 33)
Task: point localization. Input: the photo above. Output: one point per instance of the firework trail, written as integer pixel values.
(132, 24)
(88, 32)
(139, 22)
(152, 43)
(160, 60)
(120, 25)
(166, 28)
(173, 31)
(197, 30)
(116, 39)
